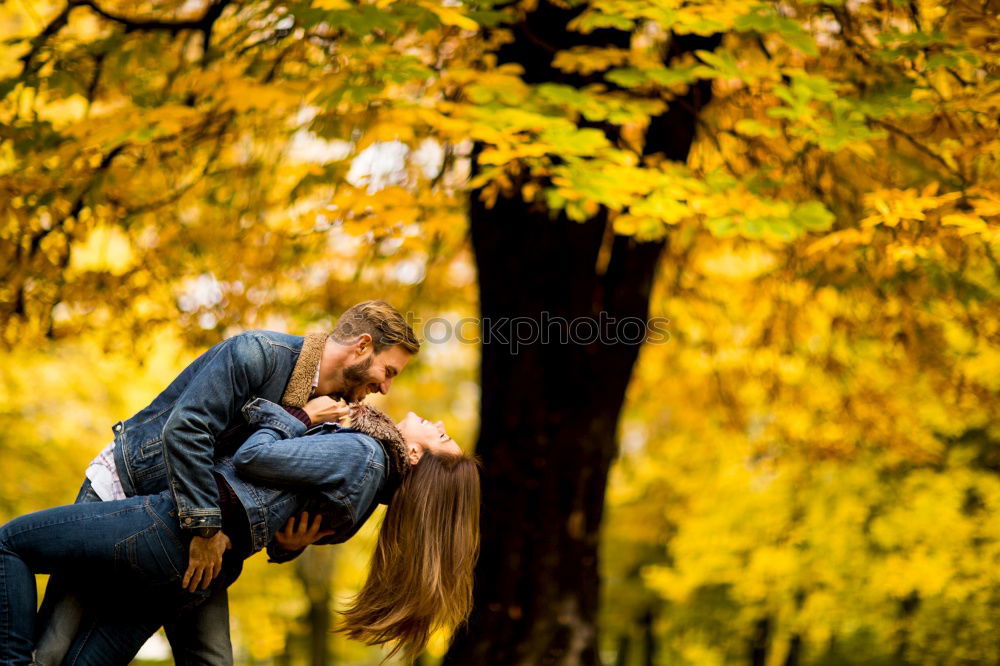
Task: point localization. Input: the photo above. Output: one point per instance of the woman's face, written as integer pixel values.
(422, 435)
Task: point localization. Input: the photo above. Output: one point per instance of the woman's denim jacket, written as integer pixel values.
(196, 421)
(283, 468)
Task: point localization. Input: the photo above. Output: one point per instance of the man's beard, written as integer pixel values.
(356, 376)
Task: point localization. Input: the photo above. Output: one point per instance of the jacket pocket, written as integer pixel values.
(151, 448)
(151, 480)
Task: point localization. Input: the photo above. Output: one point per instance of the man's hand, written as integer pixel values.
(325, 409)
(205, 560)
(292, 537)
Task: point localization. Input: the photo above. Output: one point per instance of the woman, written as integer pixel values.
(129, 555)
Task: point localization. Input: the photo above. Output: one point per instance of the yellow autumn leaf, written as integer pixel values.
(626, 224)
(586, 59)
(106, 248)
(966, 223)
(449, 16)
(986, 207)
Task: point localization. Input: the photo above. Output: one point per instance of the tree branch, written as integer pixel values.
(36, 239)
(922, 148)
(57, 24)
(203, 23)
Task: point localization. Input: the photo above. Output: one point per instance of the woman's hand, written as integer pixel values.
(292, 537)
(325, 409)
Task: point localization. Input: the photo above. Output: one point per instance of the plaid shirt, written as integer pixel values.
(103, 475)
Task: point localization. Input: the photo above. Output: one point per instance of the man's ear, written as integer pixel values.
(363, 344)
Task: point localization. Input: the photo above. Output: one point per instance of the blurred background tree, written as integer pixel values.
(804, 472)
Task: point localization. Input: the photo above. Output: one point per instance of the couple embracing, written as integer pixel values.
(249, 449)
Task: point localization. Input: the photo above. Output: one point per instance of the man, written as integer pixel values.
(173, 443)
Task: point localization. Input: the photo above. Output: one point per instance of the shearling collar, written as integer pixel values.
(377, 424)
(300, 383)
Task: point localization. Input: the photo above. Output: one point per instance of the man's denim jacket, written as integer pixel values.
(282, 469)
(197, 419)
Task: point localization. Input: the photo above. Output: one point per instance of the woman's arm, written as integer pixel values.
(279, 453)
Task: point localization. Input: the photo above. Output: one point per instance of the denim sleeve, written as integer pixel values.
(331, 464)
(208, 406)
(278, 555)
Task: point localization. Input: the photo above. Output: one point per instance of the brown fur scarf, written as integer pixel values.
(377, 424)
(300, 383)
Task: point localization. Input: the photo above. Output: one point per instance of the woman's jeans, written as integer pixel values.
(127, 556)
(198, 637)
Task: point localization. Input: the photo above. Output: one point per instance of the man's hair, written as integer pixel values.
(379, 320)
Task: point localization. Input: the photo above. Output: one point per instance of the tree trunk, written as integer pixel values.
(759, 642)
(794, 650)
(624, 645)
(314, 567)
(549, 411)
(649, 638)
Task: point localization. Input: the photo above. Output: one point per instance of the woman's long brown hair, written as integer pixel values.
(421, 571)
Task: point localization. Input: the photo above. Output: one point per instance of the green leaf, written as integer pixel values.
(802, 41)
(790, 31)
(724, 64)
(675, 75)
(813, 216)
(752, 127)
(942, 60)
(723, 227)
(591, 20)
(488, 19)
(626, 77)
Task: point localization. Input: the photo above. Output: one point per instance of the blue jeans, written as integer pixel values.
(198, 637)
(126, 556)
